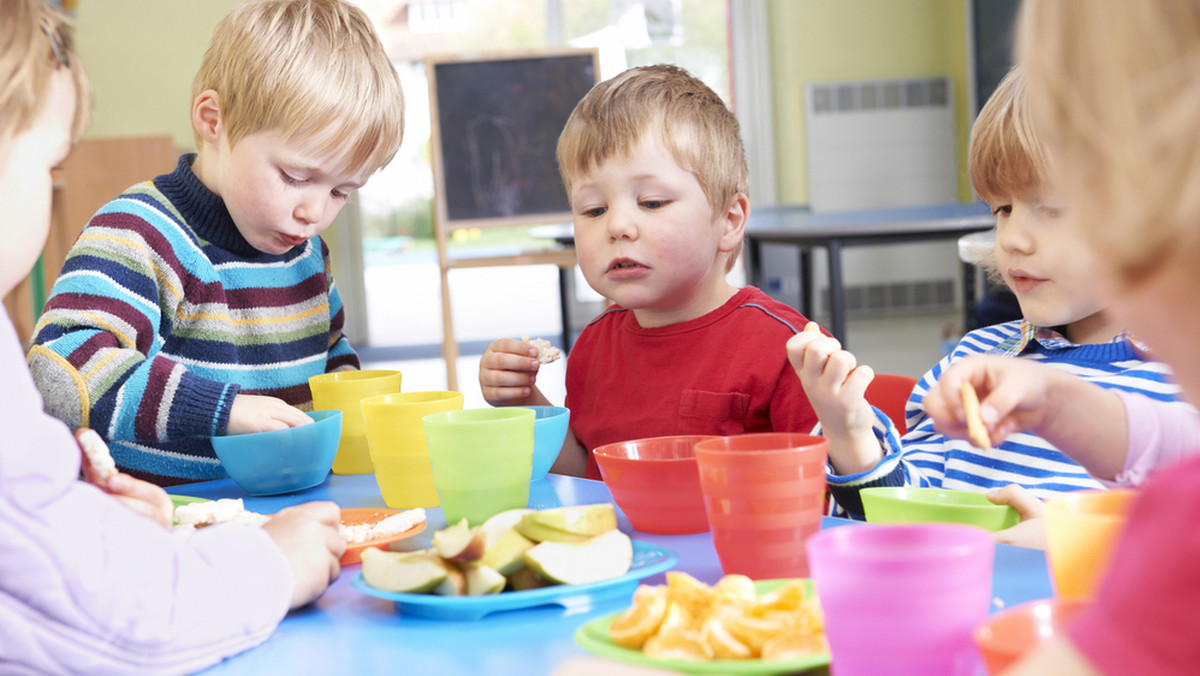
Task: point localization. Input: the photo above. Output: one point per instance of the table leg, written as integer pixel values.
(806, 282)
(970, 277)
(564, 303)
(837, 295)
(753, 256)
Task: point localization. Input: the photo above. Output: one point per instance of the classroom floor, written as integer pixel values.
(405, 328)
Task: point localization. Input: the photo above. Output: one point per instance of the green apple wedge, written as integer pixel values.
(506, 553)
(498, 524)
(455, 583)
(459, 542)
(408, 572)
(527, 578)
(601, 557)
(483, 580)
(568, 524)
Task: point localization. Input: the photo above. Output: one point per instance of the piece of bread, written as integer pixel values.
(546, 352)
(96, 452)
(208, 513)
(977, 432)
(392, 525)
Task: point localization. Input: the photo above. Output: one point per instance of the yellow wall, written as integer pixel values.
(141, 56)
(827, 40)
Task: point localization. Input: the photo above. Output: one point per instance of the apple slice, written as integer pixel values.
(527, 578)
(499, 524)
(602, 557)
(455, 583)
(407, 572)
(459, 543)
(483, 580)
(568, 524)
(505, 555)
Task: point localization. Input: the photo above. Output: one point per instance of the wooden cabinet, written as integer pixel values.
(96, 171)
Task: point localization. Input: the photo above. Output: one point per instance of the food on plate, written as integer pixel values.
(96, 452)
(232, 510)
(602, 557)
(568, 524)
(570, 545)
(411, 572)
(546, 352)
(976, 431)
(211, 512)
(392, 525)
(688, 620)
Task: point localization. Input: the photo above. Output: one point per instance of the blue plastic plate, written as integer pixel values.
(648, 560)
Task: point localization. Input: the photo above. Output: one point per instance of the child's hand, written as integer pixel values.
(836, 387)
(508, 374)
(1013, 396)
(256, 413)
(143, 497)
(1030, 532)
(308, 536)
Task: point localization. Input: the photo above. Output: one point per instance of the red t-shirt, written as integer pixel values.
(1146, 618)
(725, 373)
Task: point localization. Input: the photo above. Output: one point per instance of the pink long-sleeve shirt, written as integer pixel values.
(89, 586)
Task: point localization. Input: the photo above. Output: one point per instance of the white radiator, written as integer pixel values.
(882, 143)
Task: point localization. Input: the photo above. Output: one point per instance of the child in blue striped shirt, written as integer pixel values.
(1065, 326)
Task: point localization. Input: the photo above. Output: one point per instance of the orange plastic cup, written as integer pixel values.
(1081, 531)
(1009, 635)
(343, 390)
(764, 495)
(396, 440)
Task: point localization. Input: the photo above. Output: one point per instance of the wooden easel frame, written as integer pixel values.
(562, 256)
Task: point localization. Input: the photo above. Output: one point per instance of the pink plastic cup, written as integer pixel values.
(903, 600)
(764, 494)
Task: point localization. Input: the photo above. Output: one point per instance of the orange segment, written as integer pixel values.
(642, 620)
(792, 646)
(677, 645)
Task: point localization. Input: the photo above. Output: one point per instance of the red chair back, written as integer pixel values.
(889, 393)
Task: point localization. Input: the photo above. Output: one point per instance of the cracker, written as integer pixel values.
(97, 454)
(546, 352)
(976, 431)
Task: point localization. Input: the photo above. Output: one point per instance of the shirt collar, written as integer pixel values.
(1050, 339)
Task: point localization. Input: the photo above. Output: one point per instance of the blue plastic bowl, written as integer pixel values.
(550, 425)
(282, 461)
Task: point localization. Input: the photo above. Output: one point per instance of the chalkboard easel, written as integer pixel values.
(496, 121)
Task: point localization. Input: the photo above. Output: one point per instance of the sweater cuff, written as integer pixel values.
(887, 472)
(202, 407)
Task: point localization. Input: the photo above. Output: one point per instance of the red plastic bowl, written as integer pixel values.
(656, 483)
(1008, 635)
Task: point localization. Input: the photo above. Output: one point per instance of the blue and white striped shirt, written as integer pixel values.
(925, 457)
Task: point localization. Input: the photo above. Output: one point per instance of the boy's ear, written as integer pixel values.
(733, 222)
(206, 115)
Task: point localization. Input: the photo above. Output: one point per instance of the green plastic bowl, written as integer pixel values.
(906, 504)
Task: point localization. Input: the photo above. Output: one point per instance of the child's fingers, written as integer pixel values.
(1015, 496)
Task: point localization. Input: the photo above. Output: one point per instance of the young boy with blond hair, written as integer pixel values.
(656, 176)
(1066, 326)
(200, 302)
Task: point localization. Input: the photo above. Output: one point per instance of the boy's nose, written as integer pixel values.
(310, 211)
(621, 225)
(1015, 234)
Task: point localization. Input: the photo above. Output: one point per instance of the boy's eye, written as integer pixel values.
(339, 194)
(290, 180)
(594, 212)
(1005, 209)
(653, 204)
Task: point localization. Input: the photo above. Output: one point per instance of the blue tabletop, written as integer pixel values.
(348, 632)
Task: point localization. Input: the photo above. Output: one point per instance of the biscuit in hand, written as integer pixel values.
(546, 352)
(977, 432)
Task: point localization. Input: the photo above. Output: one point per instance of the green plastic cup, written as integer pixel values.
(482, 459)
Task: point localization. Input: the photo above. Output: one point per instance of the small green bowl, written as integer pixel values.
(907, 504)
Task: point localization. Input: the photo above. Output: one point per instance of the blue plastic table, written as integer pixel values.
(348, 632)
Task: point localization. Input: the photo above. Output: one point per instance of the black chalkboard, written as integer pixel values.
(496, 126)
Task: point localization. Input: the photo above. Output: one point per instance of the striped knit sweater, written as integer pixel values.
(162, 313)
(924, 457)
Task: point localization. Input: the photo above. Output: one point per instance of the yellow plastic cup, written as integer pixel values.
(482, 460)
(343, 390)
(1082, 529)
(396, 439)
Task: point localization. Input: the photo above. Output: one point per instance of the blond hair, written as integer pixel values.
(33, 37)
(1005, 157)
(688, 117)
(306, 68)
(1115, 86)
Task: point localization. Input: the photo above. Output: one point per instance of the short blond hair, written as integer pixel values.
(690, 119)
(1005, 157)
(1115, 87)
(30, 34)
(305, 67)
